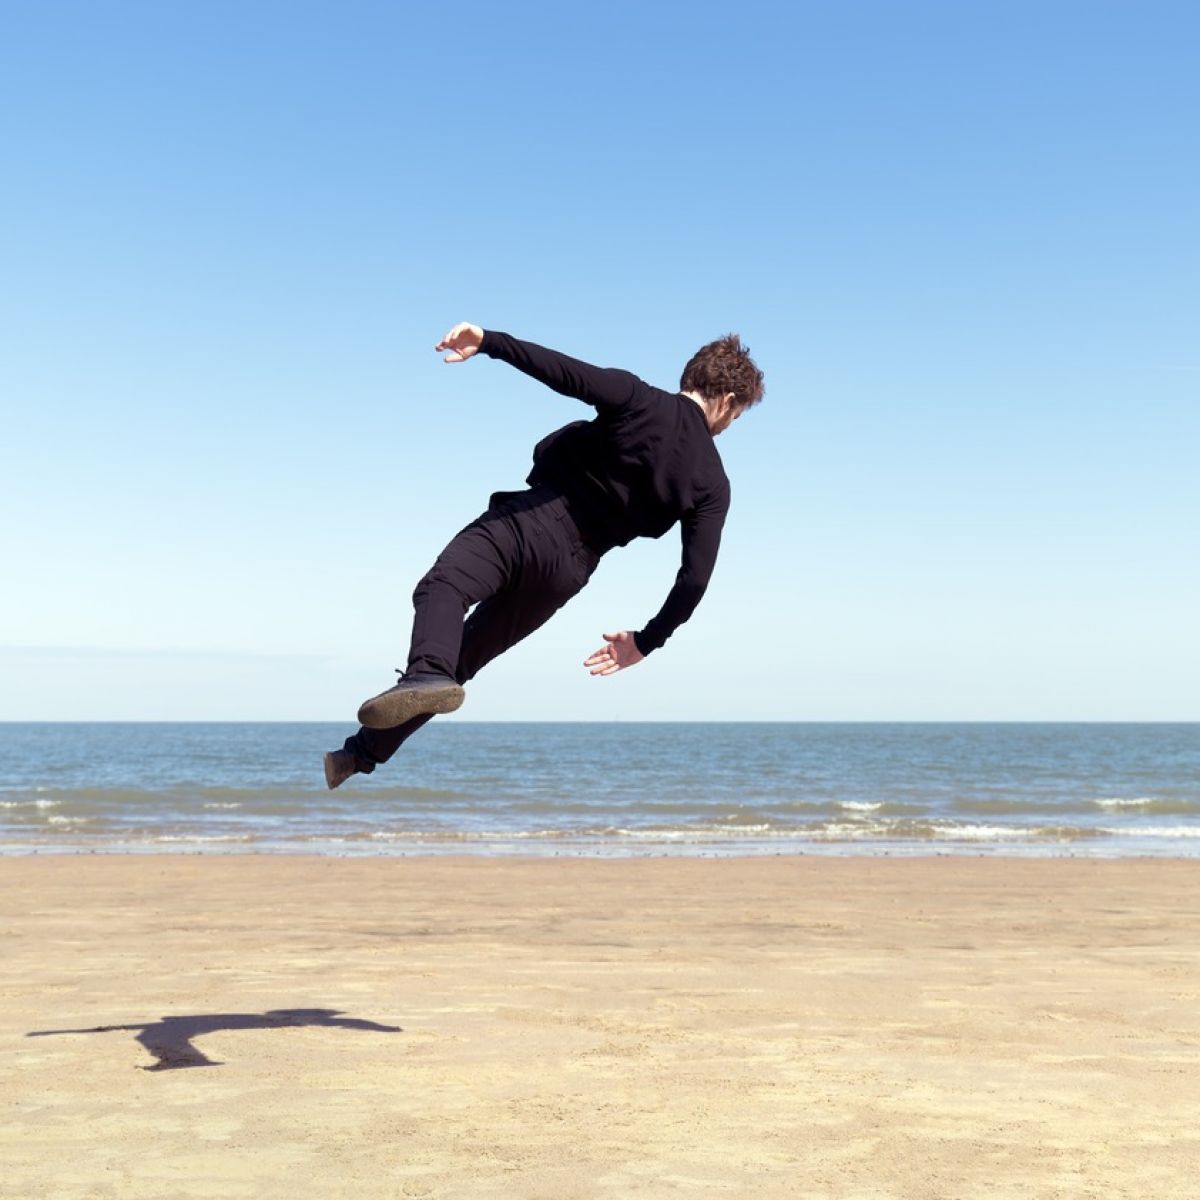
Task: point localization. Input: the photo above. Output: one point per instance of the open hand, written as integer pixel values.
(620, 652)
(462, 341)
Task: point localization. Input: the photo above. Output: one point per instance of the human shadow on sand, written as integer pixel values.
(170, 1040)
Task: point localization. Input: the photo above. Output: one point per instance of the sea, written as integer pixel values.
(618, 789)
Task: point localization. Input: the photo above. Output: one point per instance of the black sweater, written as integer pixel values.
(646, 461)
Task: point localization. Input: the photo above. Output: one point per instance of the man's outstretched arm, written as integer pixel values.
(605, 388)
(701, 532)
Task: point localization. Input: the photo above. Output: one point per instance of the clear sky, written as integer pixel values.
(961, 239)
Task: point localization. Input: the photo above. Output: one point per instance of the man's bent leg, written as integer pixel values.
(475, 565)
(557, 572)
(497, 624)
(510, 616)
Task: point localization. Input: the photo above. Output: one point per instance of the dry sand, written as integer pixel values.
(800, 1027)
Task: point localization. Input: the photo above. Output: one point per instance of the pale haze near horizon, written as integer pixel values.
(960, 241)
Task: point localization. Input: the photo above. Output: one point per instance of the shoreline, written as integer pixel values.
(615, 852)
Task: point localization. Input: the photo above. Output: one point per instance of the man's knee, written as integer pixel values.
(435, 583)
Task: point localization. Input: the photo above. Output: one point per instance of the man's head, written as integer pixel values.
(724, 377)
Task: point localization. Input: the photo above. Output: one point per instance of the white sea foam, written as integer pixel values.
(665, 835)
(222, 804)
(859, 806)
(981, 832)
(421, 835)
(919, 832)
(1138, 802)
(852, 832)
(705, 833)
(196, 837)
(1157, 831)
(30, 803)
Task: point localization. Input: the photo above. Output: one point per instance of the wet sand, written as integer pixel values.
(788, 1027)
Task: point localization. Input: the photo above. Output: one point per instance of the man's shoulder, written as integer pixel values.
(650, 396)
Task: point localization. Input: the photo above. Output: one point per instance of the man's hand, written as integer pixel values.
(463, 341)
(620, 652)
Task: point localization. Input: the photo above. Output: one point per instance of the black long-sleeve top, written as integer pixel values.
(646, 461)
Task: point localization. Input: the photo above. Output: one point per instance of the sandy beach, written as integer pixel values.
(566, 1028)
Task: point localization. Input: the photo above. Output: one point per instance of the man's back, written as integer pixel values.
(637, 470)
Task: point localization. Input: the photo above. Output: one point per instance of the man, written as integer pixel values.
(646, 461)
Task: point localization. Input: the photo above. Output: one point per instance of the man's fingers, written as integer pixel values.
(607, 660)
(603, 662)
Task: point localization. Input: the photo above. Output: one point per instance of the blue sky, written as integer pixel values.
(960, 239)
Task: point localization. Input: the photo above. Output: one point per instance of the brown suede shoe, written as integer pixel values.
(339, 766)
(410, 698)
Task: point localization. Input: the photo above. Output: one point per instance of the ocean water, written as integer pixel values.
(608, 789)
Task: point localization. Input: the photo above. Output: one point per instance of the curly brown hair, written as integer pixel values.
(724, 366)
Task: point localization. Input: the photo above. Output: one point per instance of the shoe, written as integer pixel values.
(411, 698)
(339, 766)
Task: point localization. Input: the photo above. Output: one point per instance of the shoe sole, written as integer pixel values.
(397, 705)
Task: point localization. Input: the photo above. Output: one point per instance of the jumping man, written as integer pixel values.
(646, 461)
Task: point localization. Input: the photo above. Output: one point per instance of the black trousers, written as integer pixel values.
(518, 564)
